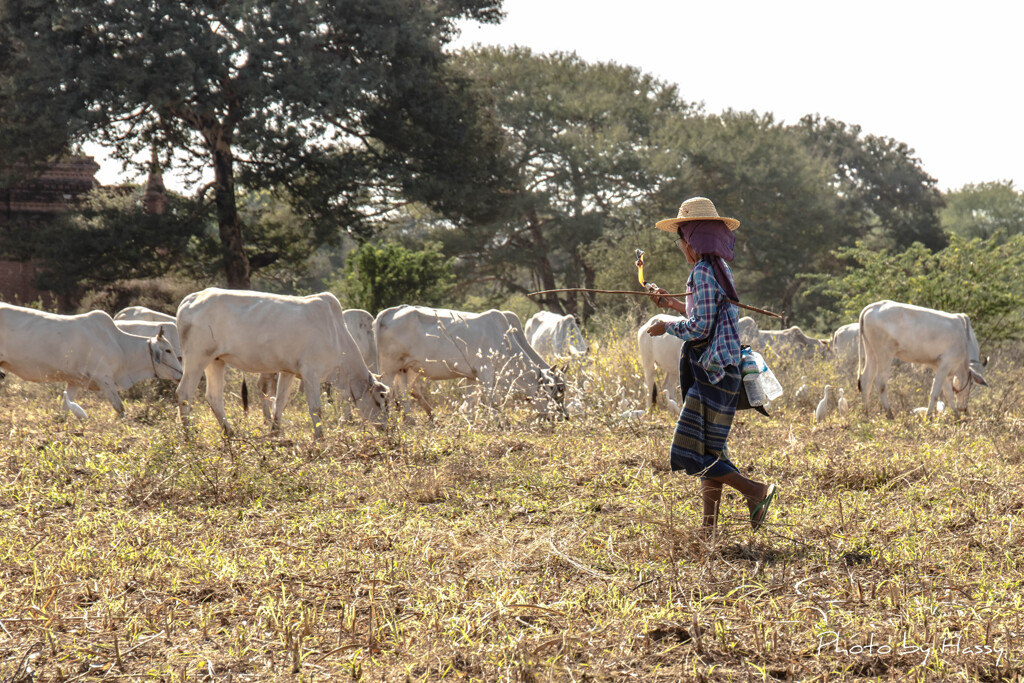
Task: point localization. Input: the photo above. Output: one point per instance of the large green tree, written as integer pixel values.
(342, 104)
(978, 277)
(985, 210)
(885, 195)
(580, 141)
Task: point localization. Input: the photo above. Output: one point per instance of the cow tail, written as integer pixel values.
(245, 396)
(654, 394)
(861, 363)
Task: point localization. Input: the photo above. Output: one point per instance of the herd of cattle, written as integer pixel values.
(376, 360)
(369, 360)
(885, 330)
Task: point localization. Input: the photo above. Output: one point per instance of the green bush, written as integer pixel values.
(978, 277)
(378, 277)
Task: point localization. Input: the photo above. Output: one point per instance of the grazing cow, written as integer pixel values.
(551, 372)
(142, 313)
(791, 343)
(149, 328)
(944, 342)
(662, 351)
(843, 345)
(554, 335)
(747, 328)
(85, 351)
(295, 336)
(359, 324)
(439, 344)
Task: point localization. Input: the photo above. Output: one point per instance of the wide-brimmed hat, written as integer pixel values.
(696, 209)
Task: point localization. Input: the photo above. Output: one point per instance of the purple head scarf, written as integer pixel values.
(712, 238)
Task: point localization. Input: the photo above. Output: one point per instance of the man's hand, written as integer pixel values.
(661, 301)
(657, 328)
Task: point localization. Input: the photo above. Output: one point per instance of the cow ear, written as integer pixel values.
(978, 379)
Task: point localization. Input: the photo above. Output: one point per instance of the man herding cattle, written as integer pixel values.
(944, 342)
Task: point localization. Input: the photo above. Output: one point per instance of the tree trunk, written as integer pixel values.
(590, 282)
(236, 263)
(543, 265)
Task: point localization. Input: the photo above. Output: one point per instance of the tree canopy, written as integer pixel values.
(972, 276)
(580, 141)
(342, 104)
(985, 210)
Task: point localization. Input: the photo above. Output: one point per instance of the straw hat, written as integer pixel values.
(696, 209)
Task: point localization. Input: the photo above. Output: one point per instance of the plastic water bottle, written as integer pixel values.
(769, 384)
(751, 380)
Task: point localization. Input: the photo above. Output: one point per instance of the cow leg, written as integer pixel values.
(672, 390)
(191, 372)
(883, 388)
(311, 387)
(938, 384)
(267, 386)
(866, 381)
(650, 388)
(284, 389)
(215, 393)
(109, 392)
(69, 402)
(947, 392)
(420, 396)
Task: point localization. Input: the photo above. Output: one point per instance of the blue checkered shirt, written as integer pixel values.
(724, 349)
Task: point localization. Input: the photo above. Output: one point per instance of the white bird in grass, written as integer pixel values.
(841, 404)
(824, 405)
(923, 410)
(74, 407)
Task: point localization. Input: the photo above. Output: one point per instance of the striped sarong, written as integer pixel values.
(698, 445)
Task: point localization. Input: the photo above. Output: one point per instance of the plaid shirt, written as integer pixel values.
(724, 349)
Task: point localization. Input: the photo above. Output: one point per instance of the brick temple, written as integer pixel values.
(33, 202)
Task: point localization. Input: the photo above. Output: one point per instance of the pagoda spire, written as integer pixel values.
(154, 201)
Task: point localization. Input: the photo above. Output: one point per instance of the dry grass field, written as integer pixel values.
(499, 548)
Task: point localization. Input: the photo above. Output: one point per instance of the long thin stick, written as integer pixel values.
(755, 309)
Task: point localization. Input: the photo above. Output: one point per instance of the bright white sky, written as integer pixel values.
(944, 78)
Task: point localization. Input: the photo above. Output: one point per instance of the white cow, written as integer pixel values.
(554, 335)
(295, 336)
(661, 351)
(747, 328)
(550, 372)
(142, 313)
(944, 342)
(359, 324)
(439, 344)
(791, 343)
(85, 351)
(843, 345)
(149, 328)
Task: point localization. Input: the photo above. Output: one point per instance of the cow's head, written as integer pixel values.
(969, 374)
(166, 364)
(546, 389)
(372, 398)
